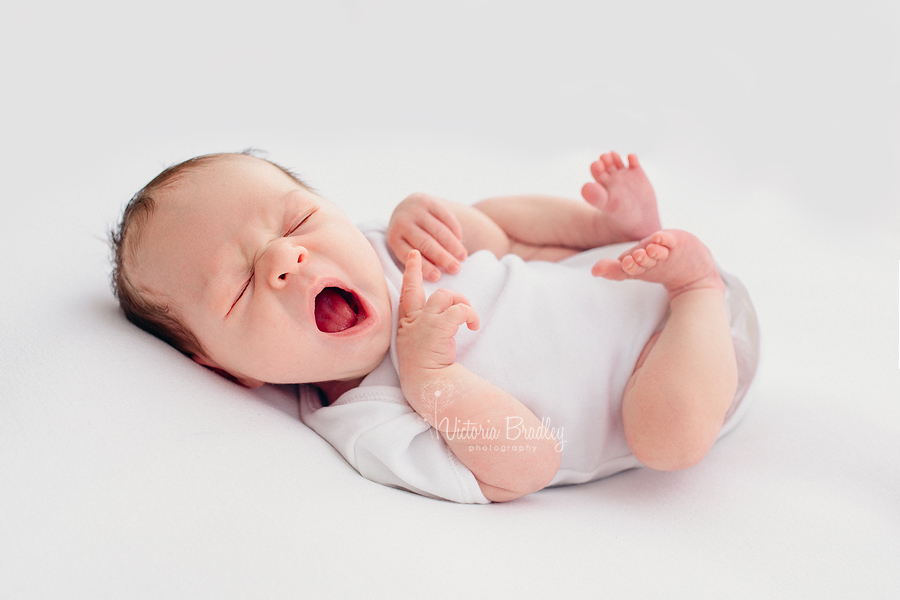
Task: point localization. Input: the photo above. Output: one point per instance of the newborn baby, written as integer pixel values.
(558, 377)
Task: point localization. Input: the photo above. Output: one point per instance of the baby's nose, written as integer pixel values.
(286, 261)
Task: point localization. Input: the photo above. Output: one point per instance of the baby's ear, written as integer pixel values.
(212, 366)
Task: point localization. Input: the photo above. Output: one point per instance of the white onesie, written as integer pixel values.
(561, 341)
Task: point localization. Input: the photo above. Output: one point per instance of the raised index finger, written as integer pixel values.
(412, 296)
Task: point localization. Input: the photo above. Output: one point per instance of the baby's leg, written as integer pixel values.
(686, 377)
(624, 197)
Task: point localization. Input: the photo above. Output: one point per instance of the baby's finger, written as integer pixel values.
(447, 218)
(446, 238)
(455, 305)
(426, 247)
(434, 253)
(463, 313)
(401, 247)
(412, 296)
(429, 270)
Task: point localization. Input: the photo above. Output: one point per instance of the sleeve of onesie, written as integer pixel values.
(383, 438)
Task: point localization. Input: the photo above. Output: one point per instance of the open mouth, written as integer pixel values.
(337, 310)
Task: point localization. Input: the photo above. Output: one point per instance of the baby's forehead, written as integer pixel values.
(220, 169)
(220, 184)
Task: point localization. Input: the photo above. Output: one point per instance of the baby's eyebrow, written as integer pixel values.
(294, 204)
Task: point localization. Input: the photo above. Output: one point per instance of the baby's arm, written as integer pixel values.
(620, 207)
(544, 225)
(477, 420)
(533, 227)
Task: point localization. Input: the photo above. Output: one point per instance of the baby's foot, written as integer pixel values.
(676, 259)
(624, 195)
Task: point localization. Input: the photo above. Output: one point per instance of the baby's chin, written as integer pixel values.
(351, 367)
(365, 367)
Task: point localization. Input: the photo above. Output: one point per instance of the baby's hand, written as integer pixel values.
(422, 223)
(425, 337)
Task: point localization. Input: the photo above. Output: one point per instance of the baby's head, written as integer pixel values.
(235, 262)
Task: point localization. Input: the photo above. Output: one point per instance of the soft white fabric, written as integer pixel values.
(561, 341)
(377, 431)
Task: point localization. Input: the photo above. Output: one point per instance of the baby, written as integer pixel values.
(557, 378)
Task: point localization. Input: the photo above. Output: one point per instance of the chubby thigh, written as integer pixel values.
(691, 377)
(744, 331)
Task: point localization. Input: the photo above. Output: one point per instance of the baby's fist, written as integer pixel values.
(422, 222)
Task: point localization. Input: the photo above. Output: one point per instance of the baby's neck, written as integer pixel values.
(334, 389)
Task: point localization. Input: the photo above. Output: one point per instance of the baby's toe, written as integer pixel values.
(664, 238)
(599, 172)
(608, 161)
(657, 252)
(631, 266)
(594, 194)
(609, 269)
(644, 259)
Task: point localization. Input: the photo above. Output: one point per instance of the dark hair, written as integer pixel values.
(156, 317)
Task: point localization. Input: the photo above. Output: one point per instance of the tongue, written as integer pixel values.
(333, 313)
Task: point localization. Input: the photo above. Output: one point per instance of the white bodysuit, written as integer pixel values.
(564, 343)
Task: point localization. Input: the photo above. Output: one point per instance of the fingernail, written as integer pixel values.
(454, 268)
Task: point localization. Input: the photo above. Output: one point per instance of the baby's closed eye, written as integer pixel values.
(240, 295)
(297, 226)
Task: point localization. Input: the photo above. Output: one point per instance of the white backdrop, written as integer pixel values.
(770, 129)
